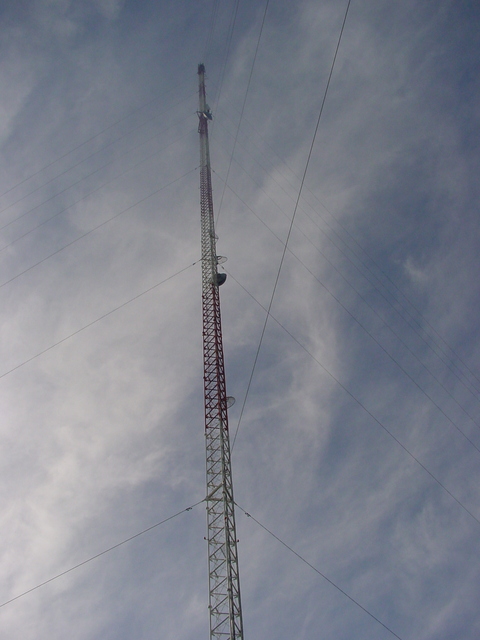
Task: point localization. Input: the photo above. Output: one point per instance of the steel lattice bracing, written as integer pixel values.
(224, 585)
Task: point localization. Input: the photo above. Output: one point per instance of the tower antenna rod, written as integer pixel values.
(224, 583)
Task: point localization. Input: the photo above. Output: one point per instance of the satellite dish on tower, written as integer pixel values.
(230, 401)
(221, 259)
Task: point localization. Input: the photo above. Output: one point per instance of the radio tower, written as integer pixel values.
(224, 583)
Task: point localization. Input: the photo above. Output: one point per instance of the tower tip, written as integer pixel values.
(201, 68)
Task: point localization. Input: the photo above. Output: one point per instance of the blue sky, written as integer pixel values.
(359, 441)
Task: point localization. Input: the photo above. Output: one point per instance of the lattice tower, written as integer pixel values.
(224, 583)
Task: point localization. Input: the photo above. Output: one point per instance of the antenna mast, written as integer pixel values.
(224, 583)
